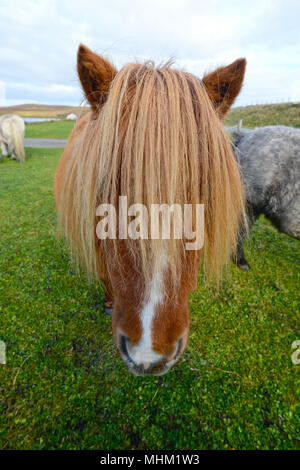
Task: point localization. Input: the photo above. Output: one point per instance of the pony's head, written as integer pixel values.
(155, 136)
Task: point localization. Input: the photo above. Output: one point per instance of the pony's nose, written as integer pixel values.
(124, 346)
(146, 367)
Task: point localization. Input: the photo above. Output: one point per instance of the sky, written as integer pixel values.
(39, 41)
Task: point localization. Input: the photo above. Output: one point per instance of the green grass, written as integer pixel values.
(49, 129)
(64, 385)
(287, 114)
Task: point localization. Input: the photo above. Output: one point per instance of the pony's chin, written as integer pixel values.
(154, 371)
(145, 374)
(135, 371)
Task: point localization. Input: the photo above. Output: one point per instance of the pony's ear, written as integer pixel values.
(224, 84)
(95, 74)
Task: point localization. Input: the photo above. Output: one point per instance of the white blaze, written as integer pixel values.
(143, 352)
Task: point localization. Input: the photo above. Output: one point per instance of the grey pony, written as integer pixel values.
(269, 158)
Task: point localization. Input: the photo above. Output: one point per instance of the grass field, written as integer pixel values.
(64, 385)
(49, 129)
(286, 114)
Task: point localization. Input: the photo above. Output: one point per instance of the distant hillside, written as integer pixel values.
(43, 110)
(287, 114)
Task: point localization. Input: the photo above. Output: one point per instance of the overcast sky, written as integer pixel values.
(39, 39)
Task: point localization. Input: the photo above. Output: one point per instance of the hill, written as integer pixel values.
(43, 110)
(287, 114)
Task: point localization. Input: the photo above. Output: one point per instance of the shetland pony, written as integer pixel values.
(12, 130)
(269, 158)
(154, 135)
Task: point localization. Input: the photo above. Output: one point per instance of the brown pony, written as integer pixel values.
(154, 135)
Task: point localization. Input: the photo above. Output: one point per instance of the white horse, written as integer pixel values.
(12, 128)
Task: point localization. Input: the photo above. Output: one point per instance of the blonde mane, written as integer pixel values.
(157, 139)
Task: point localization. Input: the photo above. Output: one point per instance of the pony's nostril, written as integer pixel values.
(124, 340)
(177, 350)
(123, 344)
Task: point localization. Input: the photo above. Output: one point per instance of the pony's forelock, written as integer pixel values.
(156, 140)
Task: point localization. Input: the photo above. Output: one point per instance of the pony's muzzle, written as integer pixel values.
(145, 367)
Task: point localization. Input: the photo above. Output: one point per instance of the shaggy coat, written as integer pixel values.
(269, 158)
(12, 130)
